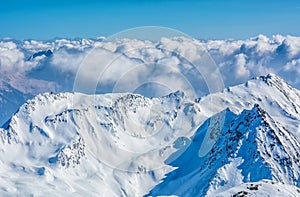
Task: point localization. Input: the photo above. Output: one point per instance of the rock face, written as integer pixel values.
(130, 145)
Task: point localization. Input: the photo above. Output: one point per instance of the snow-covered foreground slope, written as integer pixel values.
(130, 145)
(262, 188)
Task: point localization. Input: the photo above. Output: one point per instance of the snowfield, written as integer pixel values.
(244, 140)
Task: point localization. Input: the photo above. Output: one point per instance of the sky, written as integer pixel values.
(202, 19)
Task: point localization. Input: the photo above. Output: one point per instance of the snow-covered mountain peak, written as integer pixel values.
(276, 81)
(273, 94)
(267, 149)
(40, 54)
(251, 147)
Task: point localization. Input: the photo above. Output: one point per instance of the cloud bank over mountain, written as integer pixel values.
(134, 65)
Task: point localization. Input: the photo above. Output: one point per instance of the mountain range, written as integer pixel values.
(242, 141)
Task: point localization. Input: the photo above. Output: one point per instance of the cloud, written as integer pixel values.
(292, 45)
(67, 60)
(293, 66)
(240, 68)
(127, 64)
(12, 59)
(292, 71)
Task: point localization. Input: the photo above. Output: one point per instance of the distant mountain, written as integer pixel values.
(10, 99)
(46, 53)
(16, 89)
(244, 140)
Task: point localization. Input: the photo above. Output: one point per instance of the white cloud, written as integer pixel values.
(66, 60)
(293, 46)
(126, 63)
(11, 58)
(240, 68)
(293, 66)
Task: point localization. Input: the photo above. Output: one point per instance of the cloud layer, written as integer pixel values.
(122, 65)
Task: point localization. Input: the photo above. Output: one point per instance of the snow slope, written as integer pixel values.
(262, 188)
(130, 145)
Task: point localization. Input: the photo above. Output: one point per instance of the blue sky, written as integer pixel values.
(203, 19)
